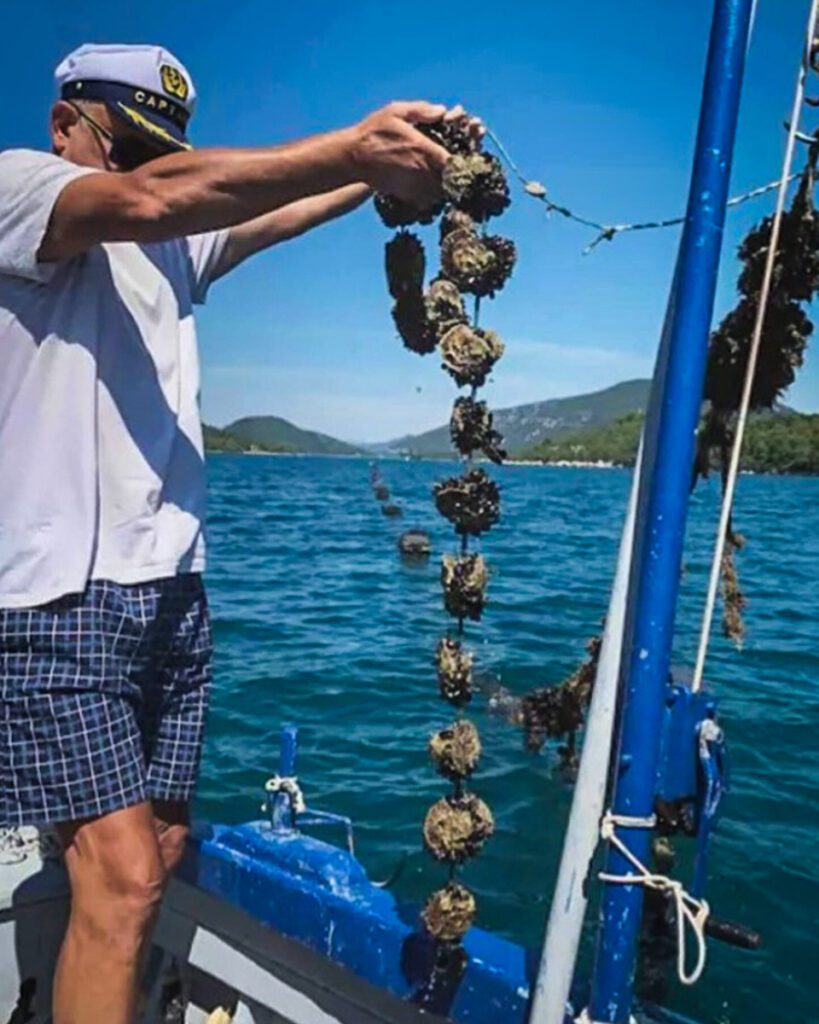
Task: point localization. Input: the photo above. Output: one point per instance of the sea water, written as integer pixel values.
(318, 622)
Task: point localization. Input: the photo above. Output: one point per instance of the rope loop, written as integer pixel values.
(691, 912)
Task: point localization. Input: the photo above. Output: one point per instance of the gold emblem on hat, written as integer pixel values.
(174, 82)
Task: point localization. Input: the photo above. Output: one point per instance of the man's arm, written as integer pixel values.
(188, 193)
(288, 222)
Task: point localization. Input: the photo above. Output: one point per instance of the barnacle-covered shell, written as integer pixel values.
(470, 502)
(454, 671)
(405, 264)
(481, 266)
(505, 253)
(456, 828)
(464, 579)
(471, 430)
(455, 220)
(476, 184)
(468, 354)
(454, 136)
(465, 260)
(449, 913)
(410, 316)
(445, 306)
(396, 213)
(456, 750)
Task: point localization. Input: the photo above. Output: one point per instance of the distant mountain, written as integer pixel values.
(778, 442)
(524, 426)
(271, 433)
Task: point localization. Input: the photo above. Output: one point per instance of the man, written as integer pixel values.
(105, 245)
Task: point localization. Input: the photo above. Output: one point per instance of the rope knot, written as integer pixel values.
(689, 910)
(288, 784)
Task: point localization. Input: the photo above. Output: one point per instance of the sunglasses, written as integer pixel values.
(127, 152)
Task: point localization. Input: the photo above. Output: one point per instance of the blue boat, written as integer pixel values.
(271, 921)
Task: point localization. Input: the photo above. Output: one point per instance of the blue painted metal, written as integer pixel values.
(281, 812)
(679, 765)
(288, 749)
(670, 436)
(320, 895)
(713, 784)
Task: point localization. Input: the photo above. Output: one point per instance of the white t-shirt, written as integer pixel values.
(101, 457)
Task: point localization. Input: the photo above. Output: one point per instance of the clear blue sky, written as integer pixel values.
(598, 100)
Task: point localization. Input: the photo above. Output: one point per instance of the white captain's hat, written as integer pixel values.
(144, 86)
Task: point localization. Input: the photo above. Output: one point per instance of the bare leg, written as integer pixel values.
(117, 876)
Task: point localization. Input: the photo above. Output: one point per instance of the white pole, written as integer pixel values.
(569, 901)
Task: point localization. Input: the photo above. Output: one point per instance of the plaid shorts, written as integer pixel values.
(103, 698)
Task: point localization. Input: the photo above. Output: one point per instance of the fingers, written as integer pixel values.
(418, 111)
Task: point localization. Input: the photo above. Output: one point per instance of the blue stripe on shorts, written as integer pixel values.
(103, 697)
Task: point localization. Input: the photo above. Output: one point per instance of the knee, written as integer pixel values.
(117, 907)
(172, 846)
(117, 881)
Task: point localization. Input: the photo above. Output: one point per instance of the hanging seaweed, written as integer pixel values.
(785, 335)
(474, 263)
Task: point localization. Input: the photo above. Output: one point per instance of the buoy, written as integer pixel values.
(415, 544)
(391, 510)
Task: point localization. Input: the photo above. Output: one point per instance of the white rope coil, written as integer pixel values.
(690, 911)
(288, 784)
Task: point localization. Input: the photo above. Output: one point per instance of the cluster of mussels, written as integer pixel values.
(784, 340)
(433, 317)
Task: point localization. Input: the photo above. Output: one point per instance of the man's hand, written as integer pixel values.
(392, 156)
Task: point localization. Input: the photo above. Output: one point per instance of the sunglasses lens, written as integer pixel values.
(131, 153)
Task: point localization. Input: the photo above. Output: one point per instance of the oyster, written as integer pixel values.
(456, 827)
(466, 261)
(396, 213)
(410, 316)
(456, 750)
(470, 502)
(454, 136)
(470, 428)
(464, 579)
(405, 264)
(449, 913)
(468, 354)
(455, 220)
(454, 671)
(476, 184)
(444, 306)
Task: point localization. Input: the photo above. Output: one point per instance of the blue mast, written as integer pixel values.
(664, 492)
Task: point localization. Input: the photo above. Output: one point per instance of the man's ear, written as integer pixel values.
(64, 119)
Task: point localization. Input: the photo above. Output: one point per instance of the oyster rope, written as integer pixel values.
(471, 262)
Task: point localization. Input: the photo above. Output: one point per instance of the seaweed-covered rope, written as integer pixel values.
(729, 487)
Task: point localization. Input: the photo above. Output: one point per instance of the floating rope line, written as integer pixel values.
(725, 533)
(608, 232)
(472, 262)
(689, 910)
